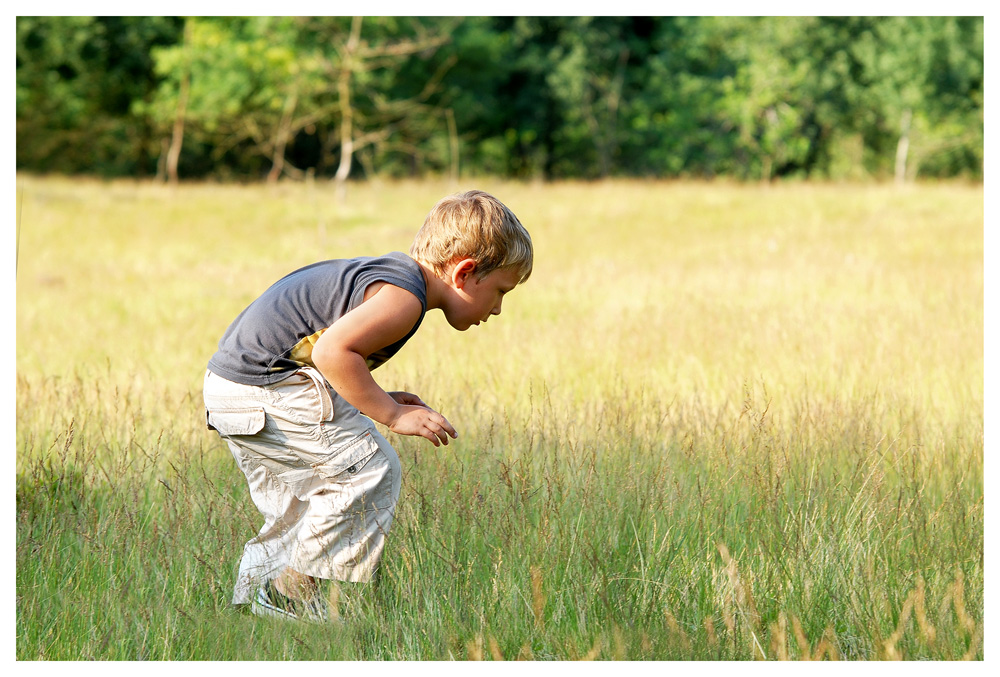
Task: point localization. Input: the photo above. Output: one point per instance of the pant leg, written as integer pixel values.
(342, 535)
(324, 479)
(267, 553)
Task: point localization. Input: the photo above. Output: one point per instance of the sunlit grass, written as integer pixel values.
(719, 421)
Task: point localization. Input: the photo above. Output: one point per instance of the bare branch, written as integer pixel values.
(435, 81)
(397, 49)
(352, 42)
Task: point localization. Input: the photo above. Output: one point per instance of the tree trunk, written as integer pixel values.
(609, 146)
(346, 152)
(346, 111)
(177, 140)
(161, 161)
(903, 147)
(453, 143)
(766, 168)
(281, 138)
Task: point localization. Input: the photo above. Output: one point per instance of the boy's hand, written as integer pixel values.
(340, 354)
(406, 398)
(420, 420)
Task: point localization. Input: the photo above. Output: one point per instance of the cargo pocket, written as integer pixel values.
(241, 421)
(350, 458)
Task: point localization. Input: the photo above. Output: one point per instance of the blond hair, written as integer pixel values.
(477, 226)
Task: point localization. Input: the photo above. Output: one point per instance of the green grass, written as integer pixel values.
(718, 422)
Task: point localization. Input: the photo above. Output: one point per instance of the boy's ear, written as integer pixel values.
(462, 271)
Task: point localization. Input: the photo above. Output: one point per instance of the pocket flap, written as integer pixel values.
(244, 421)
(353, 454)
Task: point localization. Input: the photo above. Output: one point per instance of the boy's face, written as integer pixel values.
(476, 300)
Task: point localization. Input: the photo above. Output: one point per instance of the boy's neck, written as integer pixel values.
(436, 287)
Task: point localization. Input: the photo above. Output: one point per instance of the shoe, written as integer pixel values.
(270, 602)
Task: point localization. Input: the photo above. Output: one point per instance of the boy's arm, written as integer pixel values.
(340, 355)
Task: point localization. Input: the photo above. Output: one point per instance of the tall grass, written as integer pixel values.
(718, 422)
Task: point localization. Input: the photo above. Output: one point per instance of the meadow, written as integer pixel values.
(719, 422)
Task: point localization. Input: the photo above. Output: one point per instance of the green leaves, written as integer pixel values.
(756, 98)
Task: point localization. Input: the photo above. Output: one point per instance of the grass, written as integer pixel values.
(718, 422)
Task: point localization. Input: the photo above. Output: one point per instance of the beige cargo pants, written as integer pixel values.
(324, 479)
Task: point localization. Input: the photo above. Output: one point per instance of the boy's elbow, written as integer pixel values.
(329, 357)
(325, 358)
(321, 359)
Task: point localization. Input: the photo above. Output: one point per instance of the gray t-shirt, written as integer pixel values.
(275, 334)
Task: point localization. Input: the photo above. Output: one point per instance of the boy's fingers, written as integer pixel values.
(439, 433)
(440, 430)
(436, 429)
(448, 428)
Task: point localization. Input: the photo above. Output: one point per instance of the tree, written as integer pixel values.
(922, 80)
(765, 99)
(258, 82)
(676, 127)
(356, 60)
(239, 82)
(749, 97)
(587, 77)
(77, 78)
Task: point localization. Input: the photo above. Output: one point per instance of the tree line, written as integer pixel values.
(754, 98)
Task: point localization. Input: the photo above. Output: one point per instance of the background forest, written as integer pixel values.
(517, 97)
(737, 412)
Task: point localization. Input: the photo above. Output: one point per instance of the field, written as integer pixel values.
(720, 421)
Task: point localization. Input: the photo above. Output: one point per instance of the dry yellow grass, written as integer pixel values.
(719, 421)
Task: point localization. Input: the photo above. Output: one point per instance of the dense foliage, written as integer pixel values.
(549, 97)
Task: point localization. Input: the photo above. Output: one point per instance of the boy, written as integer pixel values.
(290, 391)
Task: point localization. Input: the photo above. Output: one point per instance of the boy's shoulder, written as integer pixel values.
(396, 263)
(353, 276)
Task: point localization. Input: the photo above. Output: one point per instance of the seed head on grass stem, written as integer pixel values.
(537, 597)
